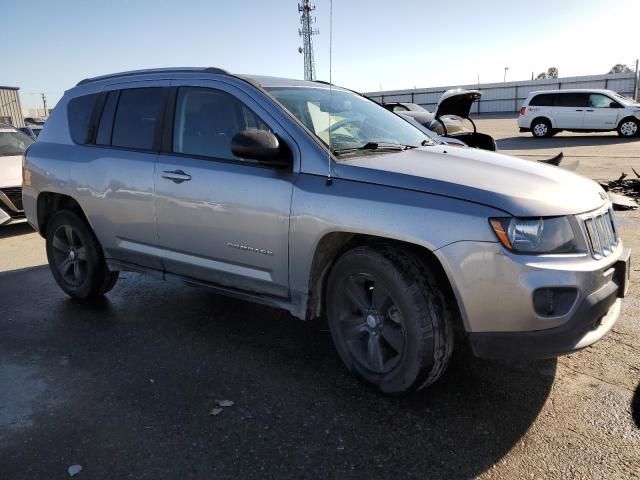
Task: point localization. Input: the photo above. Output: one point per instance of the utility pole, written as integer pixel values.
(505, 74)
(44, 104)
(306, 32)
(635, 83)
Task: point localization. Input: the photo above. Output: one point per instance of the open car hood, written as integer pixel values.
(457, 102)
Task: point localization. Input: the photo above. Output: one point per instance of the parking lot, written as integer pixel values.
(126, 387)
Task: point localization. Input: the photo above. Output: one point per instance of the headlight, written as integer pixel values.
(535, 235)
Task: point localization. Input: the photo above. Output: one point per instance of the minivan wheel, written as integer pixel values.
(628, 128)
(75, 257)
(541, 128)
(389, 319)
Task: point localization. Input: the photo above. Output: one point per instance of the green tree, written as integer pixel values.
(551, 72)
(620, 68)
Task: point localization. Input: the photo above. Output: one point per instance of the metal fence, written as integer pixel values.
(509, 96)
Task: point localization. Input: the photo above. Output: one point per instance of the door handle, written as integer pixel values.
(578, 110)
(588, 110)
(176, 176)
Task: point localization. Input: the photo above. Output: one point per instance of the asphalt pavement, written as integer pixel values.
(130, 387)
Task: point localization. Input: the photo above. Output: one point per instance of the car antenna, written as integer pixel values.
(329, 179)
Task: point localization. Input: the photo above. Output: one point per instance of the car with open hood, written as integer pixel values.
(314, 199)
(451, 119)
(13, 144)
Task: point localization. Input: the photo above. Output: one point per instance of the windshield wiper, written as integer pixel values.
(374, 146)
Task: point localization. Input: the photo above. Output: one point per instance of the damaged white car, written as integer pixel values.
(13, 144)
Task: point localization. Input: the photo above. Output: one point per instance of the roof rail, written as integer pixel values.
(213, 70)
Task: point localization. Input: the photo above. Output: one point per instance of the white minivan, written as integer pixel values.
(547, 112)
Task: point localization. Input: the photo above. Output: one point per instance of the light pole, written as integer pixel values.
(505, 74)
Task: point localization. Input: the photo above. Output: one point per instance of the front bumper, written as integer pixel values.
(495, 291)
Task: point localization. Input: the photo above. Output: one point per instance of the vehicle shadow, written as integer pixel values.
(635, 407)
(15, 230)
(530, 143)
(135, 377)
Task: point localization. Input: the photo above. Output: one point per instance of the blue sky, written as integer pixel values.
(400, 44)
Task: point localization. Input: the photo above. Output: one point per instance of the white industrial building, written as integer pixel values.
(10, 108)
(509, 96)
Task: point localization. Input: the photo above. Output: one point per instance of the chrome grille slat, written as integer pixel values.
(600, 233)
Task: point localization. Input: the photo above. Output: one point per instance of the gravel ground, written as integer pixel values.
(126, 387)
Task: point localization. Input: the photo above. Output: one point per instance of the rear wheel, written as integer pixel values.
(628, 128)
(541, 128)
(389, 319)
(75, 257)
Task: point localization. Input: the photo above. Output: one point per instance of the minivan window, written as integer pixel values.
(206, 120)
(571, 99)
(543, 100)
(137, 118)
(80, 110)
(600, 101)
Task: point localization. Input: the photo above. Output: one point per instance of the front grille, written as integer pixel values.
(601, 233)
(14, 194)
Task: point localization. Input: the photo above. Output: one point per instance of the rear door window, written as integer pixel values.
(137, 118)
(571, 99)
(80, 111)
(543, 100)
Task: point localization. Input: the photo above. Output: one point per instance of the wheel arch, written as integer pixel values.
(628, 117)
(49, 203)
(544, 118)
(334, 244)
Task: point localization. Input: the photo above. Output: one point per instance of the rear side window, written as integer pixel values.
(543, 100)
(137, 118)
(571, 99)
(80, 111)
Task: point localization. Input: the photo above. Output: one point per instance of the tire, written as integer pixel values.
(389, 319)
(75, 257)
(541, 128)
(628, 127)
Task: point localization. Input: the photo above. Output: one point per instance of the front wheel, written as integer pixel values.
(628, 128)
(389, 319)
(75, 257)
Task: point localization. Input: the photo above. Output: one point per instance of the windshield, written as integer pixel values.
(13, 142)
(348, 122)
(625, 100)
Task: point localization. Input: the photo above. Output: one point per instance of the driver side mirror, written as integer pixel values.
(615, 105)
(260, 145)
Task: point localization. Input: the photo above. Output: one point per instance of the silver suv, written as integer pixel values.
(314, 199)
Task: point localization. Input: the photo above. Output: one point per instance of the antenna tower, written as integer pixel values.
(306, 31)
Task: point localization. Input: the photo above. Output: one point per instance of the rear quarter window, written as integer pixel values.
(80, 111)
(543, 100)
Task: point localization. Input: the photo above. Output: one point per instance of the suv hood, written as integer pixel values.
(457, 102)
(519, 187)
(11, 171)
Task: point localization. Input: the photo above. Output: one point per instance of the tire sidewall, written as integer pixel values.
(405, 374)
(627, 120)
(95, 263)
(543, 122)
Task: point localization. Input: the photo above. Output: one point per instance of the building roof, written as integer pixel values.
(8, 88)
